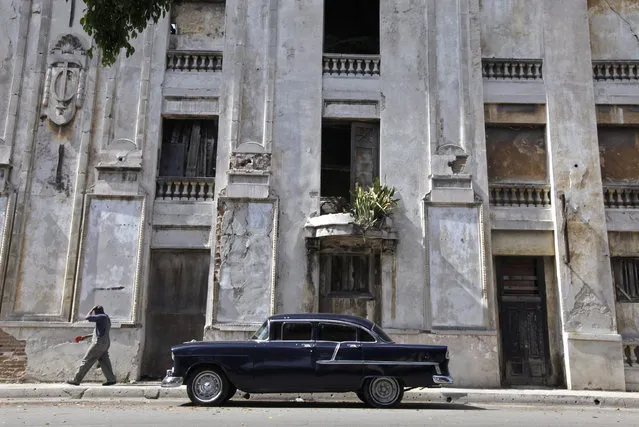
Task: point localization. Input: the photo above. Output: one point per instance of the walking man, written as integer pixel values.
(99, 349)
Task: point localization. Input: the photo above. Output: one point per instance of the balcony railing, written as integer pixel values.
(620, 197)
(183, 188)
(512, 69)
(343, 65)
(189, 60)
(615, 70)
(536, 195)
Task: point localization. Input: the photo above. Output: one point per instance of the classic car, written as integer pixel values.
(308, 353)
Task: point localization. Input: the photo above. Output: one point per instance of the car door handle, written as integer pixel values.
(354, 346)
(307, 345)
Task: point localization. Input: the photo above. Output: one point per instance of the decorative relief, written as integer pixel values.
(251, 161)
(64, 82)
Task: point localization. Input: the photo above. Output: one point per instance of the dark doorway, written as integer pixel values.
(177, 305)
(523, 320)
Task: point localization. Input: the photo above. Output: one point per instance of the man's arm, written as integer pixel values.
(90, 313)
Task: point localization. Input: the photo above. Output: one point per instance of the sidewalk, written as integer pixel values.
(152, 390)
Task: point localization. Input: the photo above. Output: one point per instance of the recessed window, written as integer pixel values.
(350, 273)
(625, 272)
(349, 156)
(189, 148)
(351, 26)
(618, 154)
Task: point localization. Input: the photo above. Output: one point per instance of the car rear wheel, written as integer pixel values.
(383, 392)
(208, 387)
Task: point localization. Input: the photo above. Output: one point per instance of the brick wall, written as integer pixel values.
(13, 358)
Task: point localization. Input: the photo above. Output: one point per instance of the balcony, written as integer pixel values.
(615, 70)
(621, 196)
(520, 195)
(345, 65)
(185, 189)
(190, 60)
(512, 69)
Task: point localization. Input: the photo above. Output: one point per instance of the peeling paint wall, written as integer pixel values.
(246, 262)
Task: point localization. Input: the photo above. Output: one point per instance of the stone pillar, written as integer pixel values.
(242, 268)
(454, 207)
(592, 346)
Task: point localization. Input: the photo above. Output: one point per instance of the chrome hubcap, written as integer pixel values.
(384, 390)
(207, 386)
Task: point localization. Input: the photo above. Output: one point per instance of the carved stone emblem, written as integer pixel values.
(64, 82)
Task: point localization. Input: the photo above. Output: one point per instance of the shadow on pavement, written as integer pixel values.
(340, 405)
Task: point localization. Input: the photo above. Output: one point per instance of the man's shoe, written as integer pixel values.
(72, 383)
(109, 383)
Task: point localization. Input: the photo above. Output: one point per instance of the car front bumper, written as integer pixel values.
(171, 381)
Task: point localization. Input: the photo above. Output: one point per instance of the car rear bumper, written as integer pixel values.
(171, 381)
(442, 379)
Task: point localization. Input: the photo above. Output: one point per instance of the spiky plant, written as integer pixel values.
(370, 206)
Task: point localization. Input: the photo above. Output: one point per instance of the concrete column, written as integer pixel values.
(592, 346)
(454, 208)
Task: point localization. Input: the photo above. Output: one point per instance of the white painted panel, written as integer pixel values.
(455, 267)
(110, 257)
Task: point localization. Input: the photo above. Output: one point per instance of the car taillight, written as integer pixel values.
(447, 354)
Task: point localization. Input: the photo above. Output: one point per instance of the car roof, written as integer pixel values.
(360, 321)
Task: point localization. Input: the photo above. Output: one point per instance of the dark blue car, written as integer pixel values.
(308, 353)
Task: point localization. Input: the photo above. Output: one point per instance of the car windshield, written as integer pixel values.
(262, 333)
(381, 334)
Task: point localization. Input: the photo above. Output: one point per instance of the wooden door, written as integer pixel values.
(176, 306)
(523, 320)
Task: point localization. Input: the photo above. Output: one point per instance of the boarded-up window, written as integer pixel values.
(619, 154)
(349, 156)
(625, 272)
(516, 154)
(188, 148)
(350, 273)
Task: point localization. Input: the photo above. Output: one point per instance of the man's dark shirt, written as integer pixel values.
(102, 323)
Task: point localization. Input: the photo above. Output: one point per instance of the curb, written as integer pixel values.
(435, 396)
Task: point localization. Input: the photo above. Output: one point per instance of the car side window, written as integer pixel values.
(296, 331)
(364, 336)
(333, 332)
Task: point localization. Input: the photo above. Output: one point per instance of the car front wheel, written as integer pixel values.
(383, 392)
(208, 387)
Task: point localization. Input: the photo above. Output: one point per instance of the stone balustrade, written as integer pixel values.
(512, 69)
(615, 70)
(620, 197)
(183, 188)
(187, 60)
(631, 353)
(343, 65)
(536, 195)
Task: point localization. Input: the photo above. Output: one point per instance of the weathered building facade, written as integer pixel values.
(196, 187)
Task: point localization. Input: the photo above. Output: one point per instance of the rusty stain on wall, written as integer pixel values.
(516, 154)
(619, 154)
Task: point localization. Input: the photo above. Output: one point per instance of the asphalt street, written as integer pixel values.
(246, 414)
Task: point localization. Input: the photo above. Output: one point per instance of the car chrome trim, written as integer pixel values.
(374, 362)
(442, 379)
